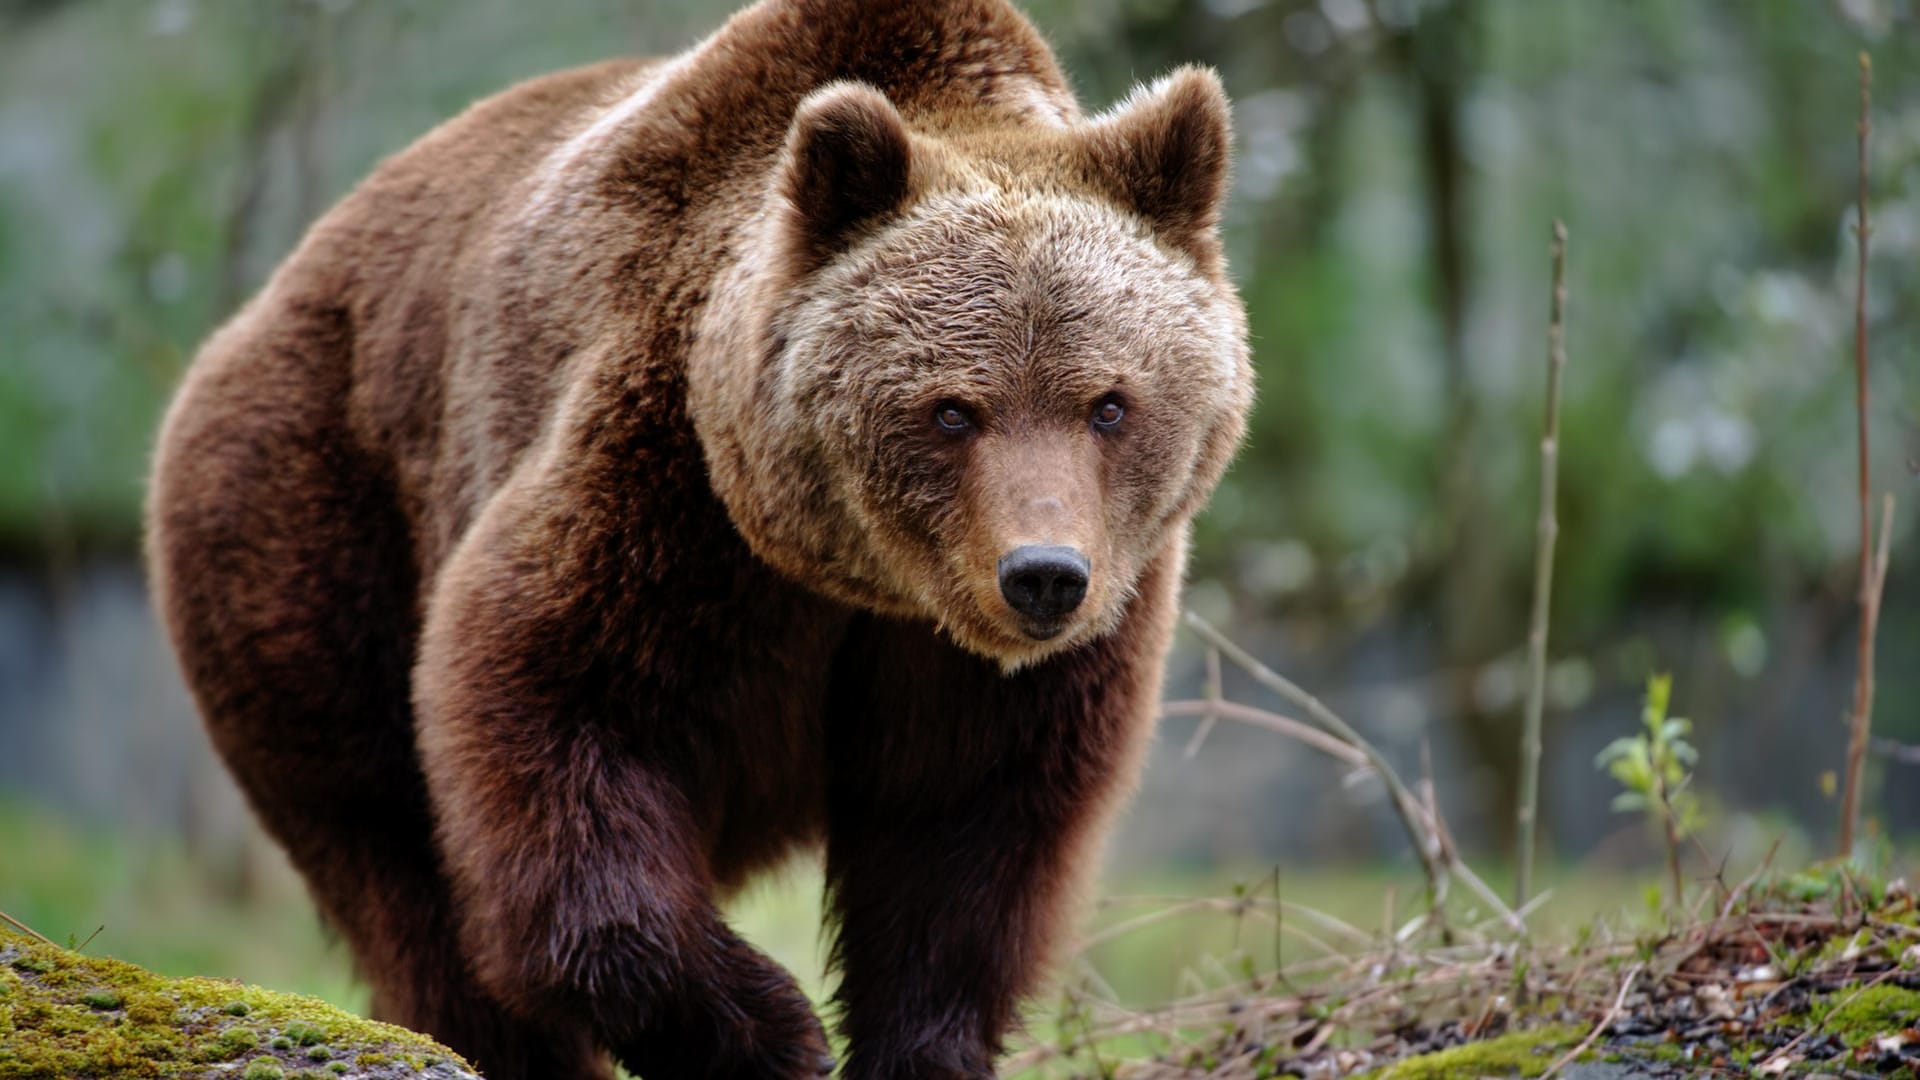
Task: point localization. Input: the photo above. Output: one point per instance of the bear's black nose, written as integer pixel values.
(1043, 581)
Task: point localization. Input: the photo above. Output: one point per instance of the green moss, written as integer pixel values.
(232, 1042)
(305, 1034)
(281, 1042)
(1867, 1014)
(1664, 1052)
(148, 1009)
(67, 1016)
(1522, 1053)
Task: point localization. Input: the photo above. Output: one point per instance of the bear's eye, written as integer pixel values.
(1107, 414)
(952, 417)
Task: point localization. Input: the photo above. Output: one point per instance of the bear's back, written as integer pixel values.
(406, 258)
(568, 231)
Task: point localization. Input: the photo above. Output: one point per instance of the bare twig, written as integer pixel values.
(1815, 1028)
(1277, 906)
(1272, 721)
(25, 929)
(1670, 824)
(1437, 857)
(1545, 534)
(1862, 720)
(1904, 753)
(1211, 716)
(1411, 817)
(1746, 886)
(1619, 1000)
(1430, 802)
(1239, 909)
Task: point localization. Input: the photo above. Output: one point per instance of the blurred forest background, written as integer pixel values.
(1399, 162)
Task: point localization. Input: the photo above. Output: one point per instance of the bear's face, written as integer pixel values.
(1013, 392)
(998, 379)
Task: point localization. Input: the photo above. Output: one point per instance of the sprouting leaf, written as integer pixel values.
(1617, 748)
(1628, 801)
(1654, 767)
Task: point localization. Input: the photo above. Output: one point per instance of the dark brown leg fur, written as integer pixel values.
(296, 636)
(592, 750)
(964, 812)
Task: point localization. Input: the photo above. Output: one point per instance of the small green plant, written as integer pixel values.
(1654, 768)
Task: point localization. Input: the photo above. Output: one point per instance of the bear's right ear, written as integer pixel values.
(848, 161)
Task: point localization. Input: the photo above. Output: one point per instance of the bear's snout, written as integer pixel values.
(1043, 582)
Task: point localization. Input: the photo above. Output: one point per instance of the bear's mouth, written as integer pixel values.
(1043, 629)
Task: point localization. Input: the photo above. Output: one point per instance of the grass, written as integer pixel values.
(155, 906)
(163, 910)
(1192, 952)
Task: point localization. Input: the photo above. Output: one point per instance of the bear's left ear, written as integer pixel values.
(848, 161)
(1164, 153)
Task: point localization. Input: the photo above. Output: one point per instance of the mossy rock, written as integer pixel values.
(1518, 1054)
(66, 1016)
(1860, 1016)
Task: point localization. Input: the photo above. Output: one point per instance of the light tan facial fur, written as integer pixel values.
(1019, 280)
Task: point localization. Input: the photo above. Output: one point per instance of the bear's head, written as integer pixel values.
(979, 375)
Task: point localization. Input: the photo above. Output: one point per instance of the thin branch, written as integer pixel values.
(1436, 856)
(1272, 721)
(1545, 534)
(1404, 802)
(1619, 1000)
(1211, 715)
(1904, 753)
(1862, 721)
(1880, 552)
(25, 929)
(1430, 802)
(1670, 827)
(1815, 1028)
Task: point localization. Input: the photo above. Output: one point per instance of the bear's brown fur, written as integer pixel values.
(616, 492)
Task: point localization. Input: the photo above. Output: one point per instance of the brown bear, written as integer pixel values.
(667, 465)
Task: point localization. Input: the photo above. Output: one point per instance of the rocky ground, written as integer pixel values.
(1815, 975)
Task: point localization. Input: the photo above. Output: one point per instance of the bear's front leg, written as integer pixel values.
(966, 807)
(558, 759)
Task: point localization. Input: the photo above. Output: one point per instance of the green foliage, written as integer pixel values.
(1656, 765)
(1655, 769)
